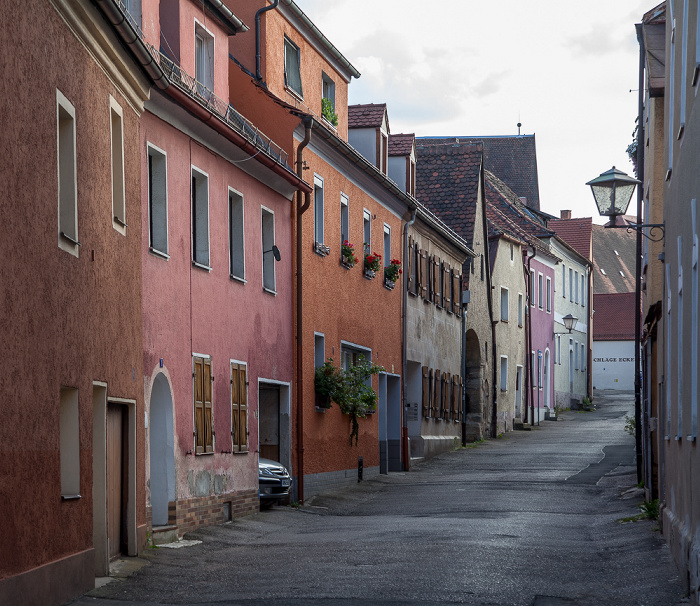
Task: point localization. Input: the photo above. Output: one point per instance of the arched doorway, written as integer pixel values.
(547, 390)
(162, 479)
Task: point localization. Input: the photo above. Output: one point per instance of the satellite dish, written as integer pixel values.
(275, 253)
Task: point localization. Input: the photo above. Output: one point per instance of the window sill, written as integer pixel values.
(156, 253)
(321, 249)
(270, 291)
(294, 93)
(204, 454)
(201, 266)
(329, 124)
(71, 497)
(345, 264)
(238, 279)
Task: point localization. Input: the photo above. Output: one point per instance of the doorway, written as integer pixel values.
(269, 424)
(518, 391)
(546, 380)
(162, 451)
(117, 479)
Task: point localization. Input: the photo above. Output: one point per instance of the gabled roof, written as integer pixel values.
(576, 233)
(512, 158)
(654, 34)
(504, 211)
(614, 317)
(447, 182)
(613, 260)
(369, 115)
(401, 145)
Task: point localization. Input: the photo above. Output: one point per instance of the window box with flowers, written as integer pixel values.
(372, 264)
(347, 255)
(392, 273)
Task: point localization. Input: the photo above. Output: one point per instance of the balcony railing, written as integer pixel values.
(206, 98)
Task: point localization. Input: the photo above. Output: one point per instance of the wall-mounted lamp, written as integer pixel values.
(275, 252)
(569, 323)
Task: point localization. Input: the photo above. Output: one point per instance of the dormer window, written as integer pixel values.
(292, 67)
(328, 100)
(203, 60)
(411, 178)
(383, 152)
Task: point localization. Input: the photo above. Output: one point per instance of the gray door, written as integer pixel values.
(269, 422)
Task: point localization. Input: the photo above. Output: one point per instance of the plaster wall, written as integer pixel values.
(215, 315)
(344, 306)
(542, 339)
(66, 320)
(613, 365)
(510, 334)
(433, 339)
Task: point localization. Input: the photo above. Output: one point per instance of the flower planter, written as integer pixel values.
(369, 274)
(321, 249)
(346, 264)
(323, 402)
(389, 284)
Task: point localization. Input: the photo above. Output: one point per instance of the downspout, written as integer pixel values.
(489, 298)
(301, 209)
(406, 455)
(264, 9)
(528, 334)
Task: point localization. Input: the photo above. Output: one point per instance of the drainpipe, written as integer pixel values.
(463, 308)
(528, 339)
(404, 426)
(264, 9)
(301, 209)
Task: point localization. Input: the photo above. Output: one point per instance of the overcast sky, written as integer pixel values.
(563, 69)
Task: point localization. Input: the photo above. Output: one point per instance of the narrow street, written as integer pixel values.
(531, 518)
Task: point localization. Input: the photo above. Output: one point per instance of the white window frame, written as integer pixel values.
(505, 303)
(571, 285)
(549, 295)
(583, 289)
(669, 342)
(319, 211)
(67, 168)
(576, 287)
(288, 44)
(204, 53)
(387, 245)
(366, 231)
(575, 355)
(236, 235)
(533, 295)
(671, 94)
(679, 339)
(520, 309)
(268, 259)
(116, 137)
(319, 349)
(583, 357)
(540, 290)
(563, 280)
(199, 212)
(157, 206)
(504, 375)
(694, 330)
(328, 86)
(344, 218)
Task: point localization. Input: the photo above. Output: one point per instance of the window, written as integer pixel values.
(239, 407)
(694, 326)
(67, 176)
(684, 68)
(387, 245)
(563, 281)
(344, 218)
(504, 373)
(576, 355)
(350, 355)
(292, 69)
(679, 339)
(576, 287)
(533, 369)
(583, 290)
(671, 89)
(549, 295)
(236, 235)
(540, 291)
(117, 140)
(69, 430)
(319, 350)
(532, 287)
(583, 358)
(520, 309)
(571, 284)
(366, 231)
(134, 9)
(559, 349)
(504, 304)
(383, 152)
(411, 178)
(203, 411)
(203, 60)
(328, 92)
(511, 251)
(268, 241)
(318, 209)
(200, 218)
(539, 369)
(157, 200)
(482, 267)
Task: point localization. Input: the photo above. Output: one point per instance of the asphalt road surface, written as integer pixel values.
(531, 518)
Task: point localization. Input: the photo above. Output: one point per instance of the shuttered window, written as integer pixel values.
(423, 275)
(446, 287)
(426, 392)
(456, 292)
(410, 268)
(445, 396)
(239, 407)
(203, 413)
(435, 282)
(437, 393)
(454, 400)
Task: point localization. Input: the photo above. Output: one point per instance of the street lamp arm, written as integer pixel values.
(640, 227)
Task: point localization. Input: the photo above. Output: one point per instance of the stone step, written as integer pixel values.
(160, 535)
(520, 426)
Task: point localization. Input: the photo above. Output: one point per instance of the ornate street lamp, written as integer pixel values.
(612, 191)
(569, 323)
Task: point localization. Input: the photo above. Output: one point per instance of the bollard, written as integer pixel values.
(360, 466)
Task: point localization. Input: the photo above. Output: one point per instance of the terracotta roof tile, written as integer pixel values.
(447, 182)
(401, 145)
(577, 233)
(369, 115)
(512, 158)
(614, 317)
(613, 260)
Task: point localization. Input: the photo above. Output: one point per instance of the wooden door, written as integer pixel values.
(115, 479)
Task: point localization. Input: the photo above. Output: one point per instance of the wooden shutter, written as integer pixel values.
(436, 394)
(199, 405)
(460, 396)
(435, 290)
(446, 396)
(453, 399)
(208, 410)
(409, 266)
(239, 408)
(423, 282)
(426, 393)
(456, 292)
(446, 286)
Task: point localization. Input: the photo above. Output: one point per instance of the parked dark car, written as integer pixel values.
(274, 482)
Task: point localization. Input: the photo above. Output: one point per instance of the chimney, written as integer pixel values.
(565, 214)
